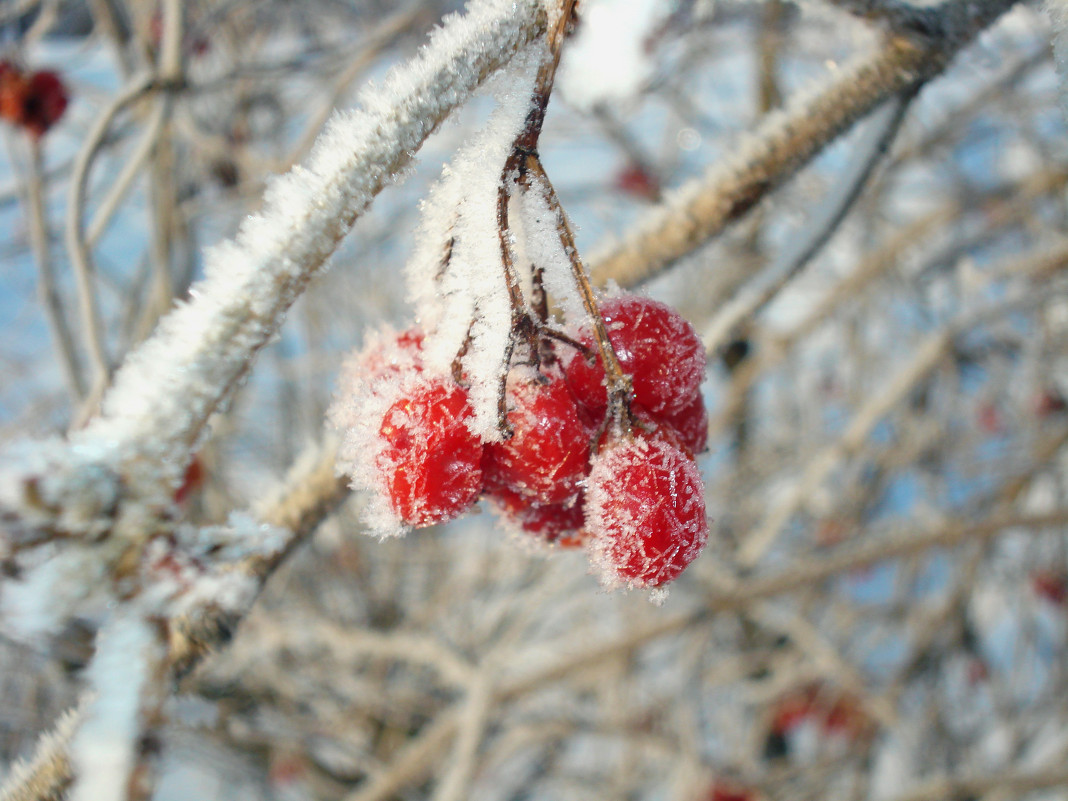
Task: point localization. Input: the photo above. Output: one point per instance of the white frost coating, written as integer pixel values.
(168, 387)
(608, 62)
(541, 240)
(469, 294)
(645, 514)
(48, 593)
(1058, 17)
(102, 751)
(194, 583)
(115, 476)
(360, 405)
(38, 477)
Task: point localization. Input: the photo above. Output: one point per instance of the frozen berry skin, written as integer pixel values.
(556, 523)
(430, 463)
(645, 513)
(656, 347)
(547, 456)
(691, 425)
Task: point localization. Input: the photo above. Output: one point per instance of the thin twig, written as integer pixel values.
(77, 247)
(47, 290)
(878, 137)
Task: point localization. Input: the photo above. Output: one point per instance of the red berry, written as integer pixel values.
(690, 425)
(559, 523)
(192, 480)
(728, 792)
(1048, 403)
(12, 93)
(649, 427)
(978, 672)
(656, 346)
(845, 716)
(989, 418)
(546, 458)
(1050, 586)
(836, 712)
(391, 354)
(793, 709)
(44, 103)
(645, 512)
(430, 463)
(637, 181)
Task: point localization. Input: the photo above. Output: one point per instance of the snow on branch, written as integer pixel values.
(114, 477)
(786, 141)
(168, 387)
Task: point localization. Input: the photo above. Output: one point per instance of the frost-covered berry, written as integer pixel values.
(656, 347)
(690, 424)
(547, 455)
(557, 523)
(430, 462)
(645, 512)
(388, 353)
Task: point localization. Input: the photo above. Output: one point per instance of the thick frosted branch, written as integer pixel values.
(827, 217)
(784, 143)
(311, 491)
(170, 385)
(167, 389)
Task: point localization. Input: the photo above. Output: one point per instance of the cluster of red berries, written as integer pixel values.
(566, 473)
(33, 101)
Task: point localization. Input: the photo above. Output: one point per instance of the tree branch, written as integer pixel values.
(785, 142)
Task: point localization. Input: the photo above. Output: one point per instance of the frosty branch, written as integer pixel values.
(785, 141)
(92, 522)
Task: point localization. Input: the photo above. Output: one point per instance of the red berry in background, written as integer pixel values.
(430, 462)
(988, 416)
(793, 709)
(45, 101)
(1050, 586)
(34, 102)
(978, 672)
(192, 480)
(637, 181)
(12, 90)
(1048, 403)
(835, 712)
(546, 458)
(846, 717)
(724, 791)
(557, 523)
(655, 345)
(653, 428)
(645, 512)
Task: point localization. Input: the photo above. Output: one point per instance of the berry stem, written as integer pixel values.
(527, 141)
(524, 326)
(619, 383)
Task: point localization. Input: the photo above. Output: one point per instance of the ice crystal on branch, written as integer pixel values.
(456, 277)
